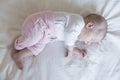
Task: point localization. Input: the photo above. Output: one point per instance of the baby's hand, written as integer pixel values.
(82, 52)
(68, 53)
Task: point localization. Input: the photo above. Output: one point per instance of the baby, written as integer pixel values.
(44, 27)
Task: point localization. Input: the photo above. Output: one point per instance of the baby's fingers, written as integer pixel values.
(66, 54)
(83, 52)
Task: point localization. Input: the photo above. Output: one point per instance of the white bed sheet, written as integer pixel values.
(102, 62)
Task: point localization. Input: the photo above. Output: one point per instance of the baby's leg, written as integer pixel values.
(18, 57)
(31, 33)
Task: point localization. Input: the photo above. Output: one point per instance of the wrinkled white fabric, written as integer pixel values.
(69, 25)
(102, 62)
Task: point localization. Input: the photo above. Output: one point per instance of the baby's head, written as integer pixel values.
(94, 30)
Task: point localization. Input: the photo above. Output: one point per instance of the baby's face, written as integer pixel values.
(94, 30)
(88, 36)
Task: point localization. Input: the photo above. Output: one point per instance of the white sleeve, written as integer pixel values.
(71, 36)
(73, 29)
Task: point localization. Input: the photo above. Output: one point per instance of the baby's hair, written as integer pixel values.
(100, 21)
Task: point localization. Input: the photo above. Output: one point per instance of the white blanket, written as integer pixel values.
(102, 62)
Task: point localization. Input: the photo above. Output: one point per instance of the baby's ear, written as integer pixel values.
(90, 25)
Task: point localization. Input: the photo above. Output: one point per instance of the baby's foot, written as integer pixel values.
(18, 44)
(17, 60)
(20, 40)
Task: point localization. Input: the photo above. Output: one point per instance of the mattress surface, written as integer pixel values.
(101, 63)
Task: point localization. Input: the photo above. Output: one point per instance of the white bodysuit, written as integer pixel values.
(68, 26)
